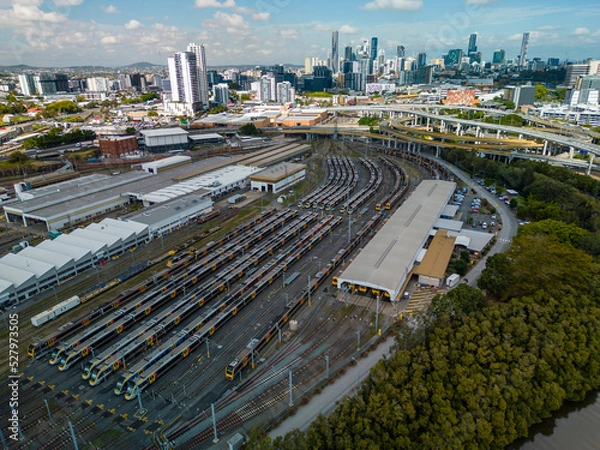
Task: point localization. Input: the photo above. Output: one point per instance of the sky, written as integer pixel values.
(63, 33)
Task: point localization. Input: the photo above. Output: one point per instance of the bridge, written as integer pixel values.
(413, 128)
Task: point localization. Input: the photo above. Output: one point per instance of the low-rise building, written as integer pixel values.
(118, 146)
(278, 178)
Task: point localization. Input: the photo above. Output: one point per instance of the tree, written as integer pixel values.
(130, 130)
(152, 113)
(250, 129)
(18, 157)
(541, 92)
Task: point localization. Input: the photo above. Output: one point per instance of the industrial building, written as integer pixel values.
(118, 146)
(160, 165)
(162, 140)
(386, 262)
(431, 271)
(171, 215)
(278, 178)
(35, 269)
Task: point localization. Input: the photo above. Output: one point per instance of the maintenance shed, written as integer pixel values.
(432, 270)
(278, 178)
(162, 140)
(384, 265)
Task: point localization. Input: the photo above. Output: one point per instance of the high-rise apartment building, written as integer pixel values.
(221, 93)
(200, 53)
(27, 84)
(523, 55)
(335, 52)
(265, 89)
(285, 92)
(183, 73)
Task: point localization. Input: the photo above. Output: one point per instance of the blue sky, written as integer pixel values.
(119, 32)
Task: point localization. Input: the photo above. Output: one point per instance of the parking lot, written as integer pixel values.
(476, 212)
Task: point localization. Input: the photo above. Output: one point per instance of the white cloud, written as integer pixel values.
(479, 2)
(133, 25)
(215, 4)
(348, 29)
(287, 34)
(261, 16)
(404, 5)
(548, 28)
(109, 40)
(67, 2)
(111, 9)
(233, 23)
(581, 31)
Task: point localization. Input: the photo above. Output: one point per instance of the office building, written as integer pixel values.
(349, 54)
(202, 80)
(421, 60)
(285, 92)
(553, 62)
(574, 71)
(472, 44)
(400, 51)
(335, 52)
(44, 84)
(374, 42)
(523, 55)
(499, 57)
(221, 94)
(453, 59)
(98, 84)
(520, 95)
(424, 75)
(27, 84)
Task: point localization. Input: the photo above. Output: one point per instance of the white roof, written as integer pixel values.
(56, 259)
(109, 239)
(388, 258)
(6, 288)
(39, 268)
(106, 227)
(17, 277)
(450, 210)
(447, 224)
(478, 240)
(63, 248)
(93, 246)
(166, 162)
(138, 228)
(163, 132)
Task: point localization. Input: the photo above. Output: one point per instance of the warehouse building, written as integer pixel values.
(160, 165)
(278, 178)
(432, 270)
(386, 262)
(162, 140)
(172, 215)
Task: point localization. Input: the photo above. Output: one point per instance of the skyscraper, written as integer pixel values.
(473, 43)
(348, 54)
(335, 52)
(499, 56)
(523, 55)
(374, 41)
(221, 93)
(183, 73)
(400, 51)
(421, 60)
(198, 50)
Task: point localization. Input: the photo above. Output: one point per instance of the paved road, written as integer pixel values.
(326, 402)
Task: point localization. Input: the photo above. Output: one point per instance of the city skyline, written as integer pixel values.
(81, 32)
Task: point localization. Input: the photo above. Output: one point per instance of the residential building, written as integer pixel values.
(574, 71)
(285, 92)
(183, 73)
(200, 53)
(265, 89)
(335, 52)
(221, 93)
(98, 84)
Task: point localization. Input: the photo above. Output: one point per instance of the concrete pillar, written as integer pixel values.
(477, 131)
(589, 169)
(498, 134)
(458, 129)
(545, 147)
(428, 123)
(571, 152)
(520, 136)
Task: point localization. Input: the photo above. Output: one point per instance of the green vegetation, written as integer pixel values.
(471, 115)
(543, 94)
(141, 99)
(217, 109)
(318, 94)
(61, 107)
(130, 130)
(513, 120)
(250, 129)
(245, 97)
(369, 121)
(56, 137)
(152, 113)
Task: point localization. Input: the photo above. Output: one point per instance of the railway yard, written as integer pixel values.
(206, 339)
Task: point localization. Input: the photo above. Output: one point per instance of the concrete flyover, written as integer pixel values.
(417, 128)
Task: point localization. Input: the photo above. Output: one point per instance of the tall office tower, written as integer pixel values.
(453, 58)
(374, 41)
(348, 54)
(198, 50)
(285, 92)
(400, 51)
(499, 56)
(183, 73)
(221, 93)
(421, 60)
(27, 84)
(523, 55)
(473, 43)
(335, 52)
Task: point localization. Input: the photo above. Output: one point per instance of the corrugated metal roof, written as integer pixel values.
(37, 267)
(387, 259)
(437, 257)
(47, 256)
(17, 277)
(63, 248)
(93, 246)
(164, 132)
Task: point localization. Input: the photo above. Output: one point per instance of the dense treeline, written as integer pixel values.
(56, 137)
(475, 371)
